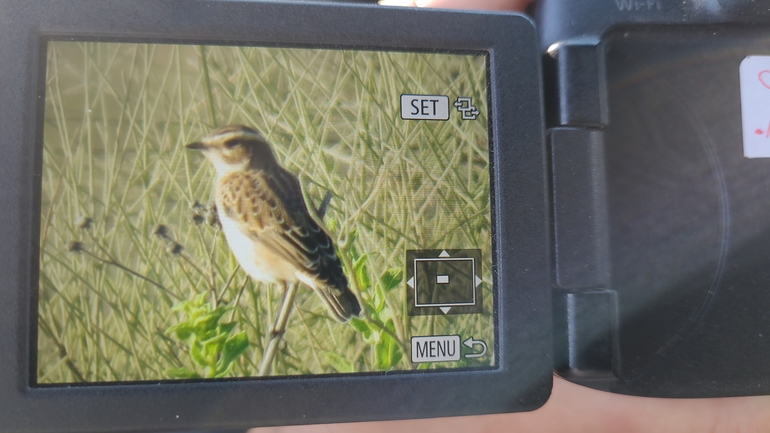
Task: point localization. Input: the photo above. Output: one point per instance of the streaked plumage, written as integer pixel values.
(266, 221)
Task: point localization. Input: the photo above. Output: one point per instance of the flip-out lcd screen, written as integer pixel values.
(214, 212)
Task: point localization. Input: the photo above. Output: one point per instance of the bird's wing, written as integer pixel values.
(270, 209)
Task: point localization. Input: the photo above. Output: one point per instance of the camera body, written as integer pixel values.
(131, 299)
(501, 206)
(656, 185)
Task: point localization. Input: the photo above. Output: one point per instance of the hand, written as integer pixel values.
(573, 408)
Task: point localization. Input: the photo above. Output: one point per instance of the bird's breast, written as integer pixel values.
(257, 260)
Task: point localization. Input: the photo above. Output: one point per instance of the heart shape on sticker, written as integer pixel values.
(764, 78)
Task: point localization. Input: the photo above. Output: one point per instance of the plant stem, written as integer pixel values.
(385, 329)
(238, 298)
(227, 285)
(117, 264)
(321, 211)
(62, 350)
(207, 82)
(189, 260)
(212, 267)
(278, 329)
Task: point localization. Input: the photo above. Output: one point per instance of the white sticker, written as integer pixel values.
(755, 106)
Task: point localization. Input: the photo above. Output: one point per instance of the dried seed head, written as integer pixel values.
(175, 248)
(161, 231)
(198, 219)
(75, 247)
(213, 219)
(84, 223)
(198, 207)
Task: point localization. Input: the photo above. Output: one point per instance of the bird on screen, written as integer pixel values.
(266, 221)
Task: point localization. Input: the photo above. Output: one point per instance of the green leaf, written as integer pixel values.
(227, 328)
(387, 352)
(214, 339)
(234, 347)
(382, 355)
(351, 241)
(378, 302)
(360, 326)
(182, 305)
(339, 363)
(182, 373)
(362, 273)
(222, 373)
(372, 338)
(190, 304)
(332, 224)
(196, 351)
(391, 279)
(213, 347)
(423, 366)
(183, 330)
(208, 322)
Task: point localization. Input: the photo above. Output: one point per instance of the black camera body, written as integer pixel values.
(501, 205)
(659, 257)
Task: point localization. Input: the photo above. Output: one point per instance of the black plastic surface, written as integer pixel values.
(579, 208)
(585, 324)
(580, 85)
(559, 21)
(523, 307)
(747, 7)
(688, 254)
(688, 232)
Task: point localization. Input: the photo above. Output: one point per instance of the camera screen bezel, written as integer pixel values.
(522, 377)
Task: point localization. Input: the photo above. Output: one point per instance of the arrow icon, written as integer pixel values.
(445, 309)
(470, 343)
(444, 254)
(465, 106)
(410, 282)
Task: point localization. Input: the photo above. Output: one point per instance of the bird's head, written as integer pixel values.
(235, 147)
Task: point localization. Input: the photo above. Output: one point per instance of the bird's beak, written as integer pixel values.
(196, 146)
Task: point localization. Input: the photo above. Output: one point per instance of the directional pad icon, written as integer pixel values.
(444, 281)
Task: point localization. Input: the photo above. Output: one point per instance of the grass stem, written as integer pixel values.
(276, 334)
(119, 265)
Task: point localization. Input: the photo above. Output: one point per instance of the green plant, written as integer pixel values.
(379, 328)
(212, 348)
(378, 322)
(117, 117)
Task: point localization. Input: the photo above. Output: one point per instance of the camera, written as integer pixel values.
(227, 214)
(657, 123)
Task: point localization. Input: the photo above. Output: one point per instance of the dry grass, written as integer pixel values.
(116, 119)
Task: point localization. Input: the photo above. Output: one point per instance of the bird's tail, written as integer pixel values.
(340, 302)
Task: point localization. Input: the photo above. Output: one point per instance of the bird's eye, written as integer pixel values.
(232, 143)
